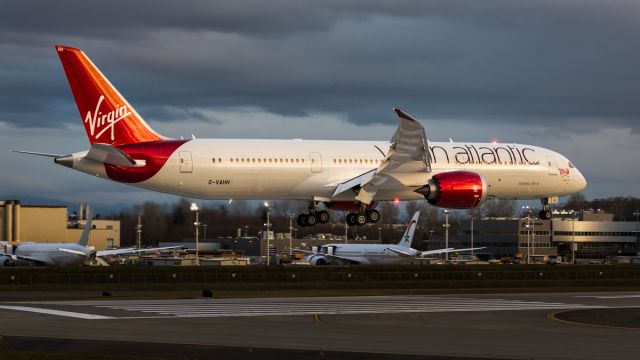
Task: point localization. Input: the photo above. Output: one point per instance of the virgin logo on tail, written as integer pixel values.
(102, 122)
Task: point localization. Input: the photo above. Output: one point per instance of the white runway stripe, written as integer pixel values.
(229, 308)
(71, 314)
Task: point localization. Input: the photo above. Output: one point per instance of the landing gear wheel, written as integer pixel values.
(302, 220)
(312, 220)
(323, 217)
(545, 214)
(351, 219)
(361, 219)
(373, 216)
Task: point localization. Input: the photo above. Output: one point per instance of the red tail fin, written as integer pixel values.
(107, 116)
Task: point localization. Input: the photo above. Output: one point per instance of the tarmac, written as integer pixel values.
(584, 325)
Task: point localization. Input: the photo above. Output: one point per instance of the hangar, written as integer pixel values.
(52, 223)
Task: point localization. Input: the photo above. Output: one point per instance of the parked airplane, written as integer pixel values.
(59, 254)
(400, 253)
(348, 176)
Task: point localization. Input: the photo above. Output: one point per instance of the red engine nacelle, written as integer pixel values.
(455, 190)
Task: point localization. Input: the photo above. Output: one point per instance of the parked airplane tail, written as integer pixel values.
(107, 116)
(84, 238)
(407, 237)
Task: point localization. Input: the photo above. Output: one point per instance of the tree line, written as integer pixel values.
(175, 222)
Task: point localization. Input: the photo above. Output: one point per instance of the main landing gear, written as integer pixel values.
(361, 217)
(313, 218)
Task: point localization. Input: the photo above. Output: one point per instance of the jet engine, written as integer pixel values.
(317, 260)
(455, 190)
(7, 261)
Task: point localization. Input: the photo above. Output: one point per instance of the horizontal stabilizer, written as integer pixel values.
(38, 153)
(109, 154)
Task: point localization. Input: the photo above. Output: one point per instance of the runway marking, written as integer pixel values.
(76, 315)
(554, 316)
(317, 307)
(608, 296)
(298, 306)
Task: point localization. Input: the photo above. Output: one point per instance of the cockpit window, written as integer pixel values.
(571, 165)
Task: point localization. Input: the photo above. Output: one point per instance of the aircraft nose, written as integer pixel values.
(580, 181)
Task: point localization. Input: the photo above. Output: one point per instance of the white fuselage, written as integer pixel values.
(366, 254)
(308, 169)
(50, 254)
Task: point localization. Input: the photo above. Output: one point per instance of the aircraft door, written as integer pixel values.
(186, 165)
(316, 162)
(552, 165)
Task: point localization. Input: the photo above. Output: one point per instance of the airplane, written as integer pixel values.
(400, 253)
(59, 254)
(351, 176)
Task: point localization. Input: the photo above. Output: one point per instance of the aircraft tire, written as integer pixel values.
(545, 214)
(373, 216)
(302, 220)
(361, 219)
(351, 219)
(312, 220)
(323, 217)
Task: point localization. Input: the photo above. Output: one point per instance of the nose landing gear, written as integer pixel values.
(545, 213)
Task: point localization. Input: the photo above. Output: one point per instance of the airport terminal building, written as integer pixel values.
(51, 224)
(590, 236)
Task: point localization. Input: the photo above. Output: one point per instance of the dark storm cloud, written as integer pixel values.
(543, 62)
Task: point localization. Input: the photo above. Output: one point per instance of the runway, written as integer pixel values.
(513, 326)
(102, 310)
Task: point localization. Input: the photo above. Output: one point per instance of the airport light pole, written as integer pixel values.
(446, 233)
(290, 235)
(139, 230)
(194, 207)
(637, 214)
(266, 204)
(529, 210)
(346, 231)
(573, 238)
(471, 215)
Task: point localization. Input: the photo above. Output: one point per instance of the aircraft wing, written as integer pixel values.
(448, 250)
(70, 251)
(133, 250)
(328, 256)
(401, 253)
(405, 164)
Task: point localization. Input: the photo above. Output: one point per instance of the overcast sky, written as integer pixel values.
(558, 74)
